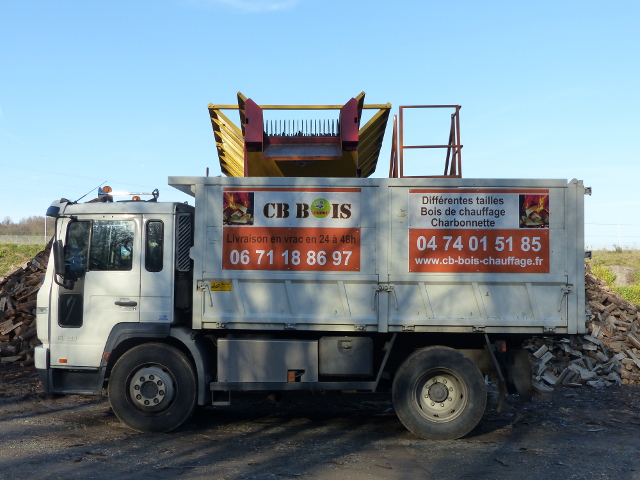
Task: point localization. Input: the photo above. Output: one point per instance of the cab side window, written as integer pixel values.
(154, 246)
(70, 310)
(111, 245)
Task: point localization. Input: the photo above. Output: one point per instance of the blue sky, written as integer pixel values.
(117, 91)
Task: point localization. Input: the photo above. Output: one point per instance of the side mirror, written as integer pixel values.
(59, 266)
(58, 257)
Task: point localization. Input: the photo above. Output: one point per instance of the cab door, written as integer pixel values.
(103, 254)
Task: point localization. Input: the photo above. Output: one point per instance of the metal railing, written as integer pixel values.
(453, 161)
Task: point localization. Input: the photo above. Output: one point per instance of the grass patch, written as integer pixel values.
(630, 293)
(12, 255)
(626, 258)
(604, 273)
(603, 259)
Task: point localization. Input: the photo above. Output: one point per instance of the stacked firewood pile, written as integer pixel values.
(608, 355)
(18, 291)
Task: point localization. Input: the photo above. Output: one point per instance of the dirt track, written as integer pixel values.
(584, 434)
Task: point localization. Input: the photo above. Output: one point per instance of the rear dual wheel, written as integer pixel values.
(439, 393)
(153, 388)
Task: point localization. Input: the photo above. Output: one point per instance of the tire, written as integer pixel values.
(153, 388)
(439, 393)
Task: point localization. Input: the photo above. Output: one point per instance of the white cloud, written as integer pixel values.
(259, 5)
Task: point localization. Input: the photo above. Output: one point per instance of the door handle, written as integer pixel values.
(127, 304)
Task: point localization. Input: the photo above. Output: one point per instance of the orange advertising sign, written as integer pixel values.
(278, 248)
(479, 230)
(292, 229)
(496, 251)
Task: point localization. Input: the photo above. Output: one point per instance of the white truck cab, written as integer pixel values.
(120, 277)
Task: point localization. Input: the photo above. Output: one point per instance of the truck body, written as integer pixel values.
(418, 286)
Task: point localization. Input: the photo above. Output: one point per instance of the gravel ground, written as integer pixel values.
(583, 434)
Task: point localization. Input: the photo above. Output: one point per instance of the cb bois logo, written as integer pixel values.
(320, 208)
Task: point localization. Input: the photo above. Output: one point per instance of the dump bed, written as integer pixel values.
(388, 255)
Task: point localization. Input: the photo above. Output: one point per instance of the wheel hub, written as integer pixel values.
(442, 396)
(151, 388)
(438, 392)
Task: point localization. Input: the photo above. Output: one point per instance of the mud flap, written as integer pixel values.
(519, 370)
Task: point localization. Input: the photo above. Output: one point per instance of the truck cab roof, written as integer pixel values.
(64, 207)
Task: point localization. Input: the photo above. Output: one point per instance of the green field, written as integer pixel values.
(603, 259)
(12, 255)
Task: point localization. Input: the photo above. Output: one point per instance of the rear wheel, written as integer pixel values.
(439, 393)
(153, 388)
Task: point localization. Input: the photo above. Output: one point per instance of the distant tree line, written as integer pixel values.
(26, 226)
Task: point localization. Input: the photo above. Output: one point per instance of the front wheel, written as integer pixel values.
(439, 393)
(153, 388)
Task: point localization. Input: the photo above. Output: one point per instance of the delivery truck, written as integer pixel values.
(298, 271)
